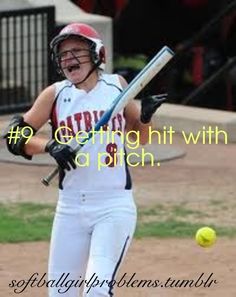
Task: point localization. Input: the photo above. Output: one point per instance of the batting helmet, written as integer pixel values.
(84, 32)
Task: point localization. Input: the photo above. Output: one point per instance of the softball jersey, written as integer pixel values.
(75, 112)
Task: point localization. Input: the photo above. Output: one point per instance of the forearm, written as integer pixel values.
(36, 145)
(143, 131)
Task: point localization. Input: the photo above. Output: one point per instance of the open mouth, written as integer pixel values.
(73, 67)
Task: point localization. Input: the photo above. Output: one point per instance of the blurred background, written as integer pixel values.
(141, 28)
(201, 32)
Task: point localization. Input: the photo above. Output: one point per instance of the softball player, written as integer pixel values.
(95, 216)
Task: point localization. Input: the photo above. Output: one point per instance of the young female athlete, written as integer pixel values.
(95, 215)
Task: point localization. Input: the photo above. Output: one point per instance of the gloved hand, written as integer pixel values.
(149, 105)
(62, 153)
(17, 133)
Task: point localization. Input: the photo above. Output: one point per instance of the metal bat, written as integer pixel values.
(132, 90)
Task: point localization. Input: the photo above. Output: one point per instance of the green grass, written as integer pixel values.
(154, 211)
(181, 211)
(176, 229)
(215, 202)
(23, 222)
(175, 220)
(169, 212)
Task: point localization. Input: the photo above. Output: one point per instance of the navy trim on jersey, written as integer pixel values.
(117, 266)
(128, 184)
(109, 84)
(53, 119)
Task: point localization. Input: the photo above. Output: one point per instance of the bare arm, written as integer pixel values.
(132, 115)
(37, 116)
(133, 123)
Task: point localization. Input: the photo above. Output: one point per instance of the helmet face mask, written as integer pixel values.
(76, 53)
(82, 32)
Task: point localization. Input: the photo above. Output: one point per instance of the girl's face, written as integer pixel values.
(75, 59)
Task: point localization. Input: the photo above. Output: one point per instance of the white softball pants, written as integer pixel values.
(90, 236)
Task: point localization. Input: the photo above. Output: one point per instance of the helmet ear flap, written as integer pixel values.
(102, 55)
(98, 55)
(102, 58)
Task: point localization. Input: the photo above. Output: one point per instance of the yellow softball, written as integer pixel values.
(205, 236)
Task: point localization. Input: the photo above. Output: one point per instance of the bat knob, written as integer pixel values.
(45, 182)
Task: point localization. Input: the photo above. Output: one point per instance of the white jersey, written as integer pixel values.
(97, 167)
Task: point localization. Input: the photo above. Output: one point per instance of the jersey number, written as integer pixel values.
(111, 160)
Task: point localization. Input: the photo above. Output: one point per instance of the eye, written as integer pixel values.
(62, 56)
(72, 53)
(76, 50)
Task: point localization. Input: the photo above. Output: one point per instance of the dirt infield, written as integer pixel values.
(206, 176)
(150, 259)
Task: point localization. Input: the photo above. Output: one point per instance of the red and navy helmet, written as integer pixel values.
(86, 33)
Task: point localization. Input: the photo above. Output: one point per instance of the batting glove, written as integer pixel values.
(149, 105)
(62, 153)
